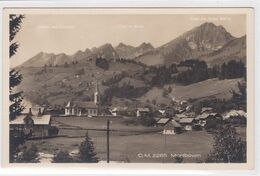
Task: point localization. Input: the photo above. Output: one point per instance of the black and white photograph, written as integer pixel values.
(128, 86)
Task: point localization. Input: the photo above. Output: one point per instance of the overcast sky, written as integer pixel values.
(70, 33)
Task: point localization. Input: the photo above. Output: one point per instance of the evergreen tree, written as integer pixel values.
(86, 151)
(14, 76)
(15, 137)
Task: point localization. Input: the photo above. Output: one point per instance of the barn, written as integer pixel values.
(32, 125)
(172, 127)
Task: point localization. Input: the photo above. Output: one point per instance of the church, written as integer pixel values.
(88, 108)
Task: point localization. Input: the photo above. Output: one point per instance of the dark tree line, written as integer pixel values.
(102, 63)
(132, 61)
(125, 91)
(161, 75)
(232, 69)
(199, 71)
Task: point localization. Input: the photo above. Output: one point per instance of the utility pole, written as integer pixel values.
(108, 140)
(165, 143)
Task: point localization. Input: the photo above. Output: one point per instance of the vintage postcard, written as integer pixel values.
(166, 88)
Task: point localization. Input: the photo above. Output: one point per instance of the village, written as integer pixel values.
(40, 123)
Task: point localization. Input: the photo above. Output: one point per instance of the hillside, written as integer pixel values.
(57, 85)
(204, 89)
(50, 78)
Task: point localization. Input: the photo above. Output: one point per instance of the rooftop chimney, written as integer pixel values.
(39, 112)
(30, 111)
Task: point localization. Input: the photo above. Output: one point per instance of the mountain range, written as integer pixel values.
(207, 42)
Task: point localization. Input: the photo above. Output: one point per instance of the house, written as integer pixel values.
(187, 123)
(235, 117)
(86, 108)
(30, 124)
(142, 112)
(172, 127)
(178, 117)
(117, 111)
(206, 110)
(234, 113)
(208, 118)
(163, 121)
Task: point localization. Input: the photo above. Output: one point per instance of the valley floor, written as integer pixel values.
(128, 143)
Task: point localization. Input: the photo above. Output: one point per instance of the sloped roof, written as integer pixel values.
(119, 109)
(143, 109)
(37, 120)
(204, 109)
(81, 104)
(206, 115)
(186, 120)
(171, 125)
(202, 116)
(235, 113)
(181, 116)
(41, 120)
(163, 121)
(18, 120)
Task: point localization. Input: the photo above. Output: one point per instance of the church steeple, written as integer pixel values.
(97, 95)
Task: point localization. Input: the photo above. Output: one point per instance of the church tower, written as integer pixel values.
(97, 96)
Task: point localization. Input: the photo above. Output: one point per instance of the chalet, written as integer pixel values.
(117, 111)
(205, 118)
(206, 110)
(201, 119)
(178, 117)
(87, 108)
(234, 113)
(235, 117)
(36, 125)
(142, 112)
(187, 123)
(208, 120)
(163, 121)
(172, 127)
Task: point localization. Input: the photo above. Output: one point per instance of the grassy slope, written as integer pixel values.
(61, 84)
(208, 88)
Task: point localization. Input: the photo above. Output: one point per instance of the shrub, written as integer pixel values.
(147, 121)
(62, 157)
(28, 155)
(53, 131)
(178, 159)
